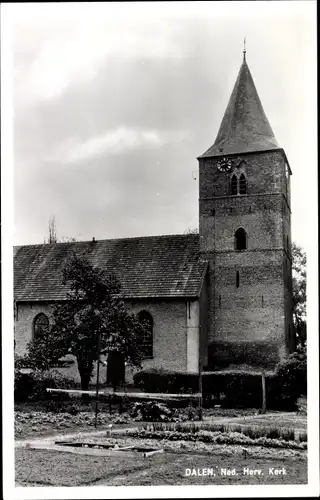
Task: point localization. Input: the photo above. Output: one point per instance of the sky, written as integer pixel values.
(113, 103)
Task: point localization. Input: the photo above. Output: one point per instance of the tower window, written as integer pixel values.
(237, 279)
(146, 341)
(40, 325)
(234, 185)
(242, 184)
(240, 239)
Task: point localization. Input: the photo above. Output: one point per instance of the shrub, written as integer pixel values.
(23, 386)
(291, 375)
(303, 437)
(234, 389)
(159, 380)
(230, 389)
(32, 386)
(152, 411)
(253, 432)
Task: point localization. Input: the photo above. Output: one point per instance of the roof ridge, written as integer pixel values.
(110, 239)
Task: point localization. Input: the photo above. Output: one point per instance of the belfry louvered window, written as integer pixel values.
(242, 184)
(238, 185)
(146, 340)
(234, 185)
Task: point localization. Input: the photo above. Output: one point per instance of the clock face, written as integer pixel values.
(224, 165)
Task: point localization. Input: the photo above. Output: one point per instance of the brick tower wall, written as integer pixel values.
(250, 324)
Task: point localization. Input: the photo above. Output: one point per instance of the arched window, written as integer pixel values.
(146, 341)
(234, 185)
(237, 279)
(40, 325)
(240, 239)
(242, 184)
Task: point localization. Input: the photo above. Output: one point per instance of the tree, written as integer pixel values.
(192, 230)
(53, 238)
(94, 311)
(299, 294)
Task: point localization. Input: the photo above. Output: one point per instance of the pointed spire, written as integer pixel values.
(244, 127)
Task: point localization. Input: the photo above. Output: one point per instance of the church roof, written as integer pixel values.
(244, 127)
(147, 267)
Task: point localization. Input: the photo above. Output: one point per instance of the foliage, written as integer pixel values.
(230, 438)
(152, 411)
(164, 381)
(299, 294)
(93, 312)
(192, 230)
(291, 376)
(53, 238)
(234, 389)
(32, 386)
(253, 431)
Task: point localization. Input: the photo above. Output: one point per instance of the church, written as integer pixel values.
(220, 299)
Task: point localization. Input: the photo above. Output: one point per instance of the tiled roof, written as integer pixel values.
(244, 127)
(153, 266)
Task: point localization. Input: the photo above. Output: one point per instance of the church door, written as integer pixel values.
(115, 369)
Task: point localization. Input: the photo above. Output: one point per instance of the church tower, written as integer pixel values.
(245, 235)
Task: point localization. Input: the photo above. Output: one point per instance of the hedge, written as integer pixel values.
(32, 386)
(232, 389)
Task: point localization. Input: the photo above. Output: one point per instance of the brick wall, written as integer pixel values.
(257, 312)
(169, 333)
(25, 315)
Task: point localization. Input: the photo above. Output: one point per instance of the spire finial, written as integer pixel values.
(244, 49)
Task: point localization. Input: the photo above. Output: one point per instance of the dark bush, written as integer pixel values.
(152, 411)
(23, 386)
(291, 377)
(234, 389)
(32, 386)
(158, 380)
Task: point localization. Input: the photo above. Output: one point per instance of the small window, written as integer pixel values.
(234, 185)
(40, 325)
(213, 212)
(287, 172)
(240, 239)
(242, 184)
(146, 341)
(237, 279)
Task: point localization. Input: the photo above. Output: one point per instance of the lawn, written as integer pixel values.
(54, 468)
(32, 420)
(36, 467)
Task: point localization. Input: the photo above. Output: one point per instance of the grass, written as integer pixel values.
(43, 423)
(53, 468)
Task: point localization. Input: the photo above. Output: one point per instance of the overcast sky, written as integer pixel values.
(114, 102)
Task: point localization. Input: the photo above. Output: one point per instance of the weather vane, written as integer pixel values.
(244, 49)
